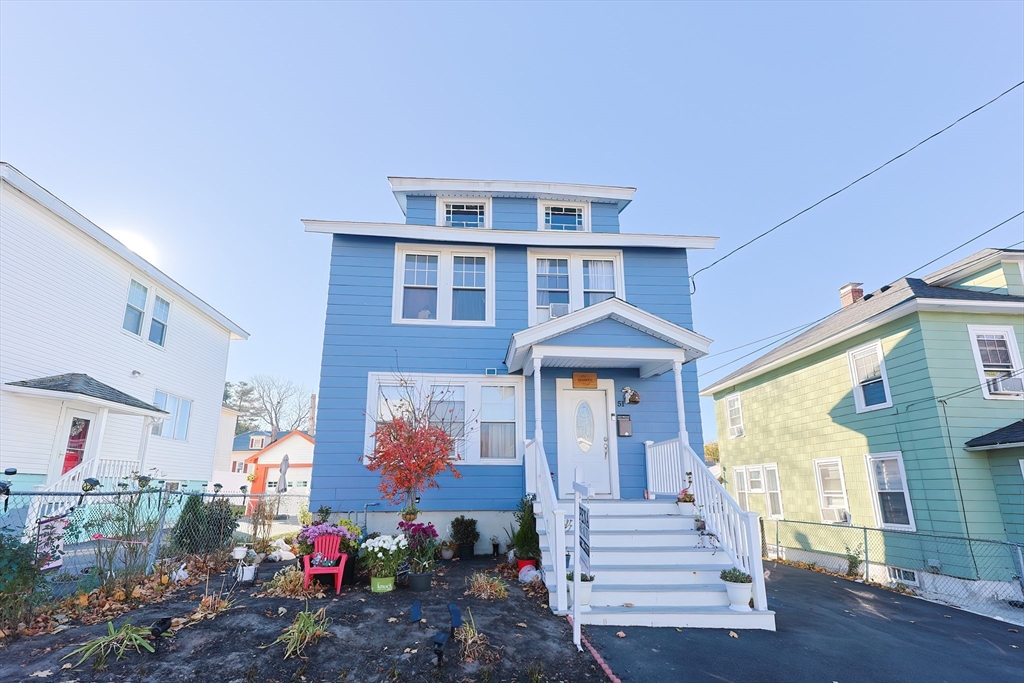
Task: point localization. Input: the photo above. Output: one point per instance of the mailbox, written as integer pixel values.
(625, 425)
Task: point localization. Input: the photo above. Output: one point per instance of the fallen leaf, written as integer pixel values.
(40, 674)
(281, 611)
(1013, 630)
(680, 630)
(732, 634)
(947, 616)
(412, 652)
(137, 592)
(406, 650)
(521, 624)
(67, 666)
(1014, 647)
(392, 620)
(83, 600)
(913, 622)
(620, 634)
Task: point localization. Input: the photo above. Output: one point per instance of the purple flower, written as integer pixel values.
(310, 533)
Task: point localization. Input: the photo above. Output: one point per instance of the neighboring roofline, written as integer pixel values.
(112, 406)
(255, 456)
(995, 446)
(530, 238)
(403, 186)
(48, 200)
(230, 410)
(616, 309)
(983, 263)
(894, 313)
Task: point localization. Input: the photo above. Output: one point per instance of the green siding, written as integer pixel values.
(1005, 464)
(992, 279)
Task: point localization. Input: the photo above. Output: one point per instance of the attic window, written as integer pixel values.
(566, 217)
(256, 442)
(464, 215)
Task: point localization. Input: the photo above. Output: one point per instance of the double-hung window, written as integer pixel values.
(484, 414)
(773, 492)
(734, 416)
(179, 410)
(135, 309)
(158, 321)
(831, 491)
(572, 217)
(443, 286)
(759, 479)
(561, 282)
(464, 212)
(997, 358)
(889, 494)
(755, 479)
(870, 383)
(740, 475)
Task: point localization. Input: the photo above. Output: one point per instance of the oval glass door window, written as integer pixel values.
(584, 426)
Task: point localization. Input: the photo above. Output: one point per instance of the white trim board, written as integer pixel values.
(529, 238)
(114, 407)
(404, 186)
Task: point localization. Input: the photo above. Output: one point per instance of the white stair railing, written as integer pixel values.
(738, 531)
(539, 483)
(107, 470)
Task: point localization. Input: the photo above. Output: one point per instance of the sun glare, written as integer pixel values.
(139, 244)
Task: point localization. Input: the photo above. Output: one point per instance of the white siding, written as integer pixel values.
(225, 439)
(298, 449)
(62, 299)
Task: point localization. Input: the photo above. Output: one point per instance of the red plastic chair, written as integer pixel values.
(327, 545)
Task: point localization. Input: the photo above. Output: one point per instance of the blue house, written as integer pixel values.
(558, 344)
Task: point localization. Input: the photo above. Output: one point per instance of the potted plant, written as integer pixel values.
(422, 548)
(685, 500)
(410, 451)
(586, 585)
(739, 586)
(448, 549)
(494, 547)
(525, 540)
(465, 535)
(383, 555)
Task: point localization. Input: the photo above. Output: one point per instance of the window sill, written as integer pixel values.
(1002, 397)
(871, 409)
(898, 527)
(442, 323)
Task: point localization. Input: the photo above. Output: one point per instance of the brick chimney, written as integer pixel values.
(851, 293)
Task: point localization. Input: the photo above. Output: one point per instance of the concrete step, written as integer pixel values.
(680, 617)
(654, 595)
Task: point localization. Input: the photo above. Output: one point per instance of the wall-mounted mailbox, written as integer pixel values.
(625, 425)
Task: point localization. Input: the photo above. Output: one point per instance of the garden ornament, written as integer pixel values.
(282, 481)
(90, 484)
(415, 614)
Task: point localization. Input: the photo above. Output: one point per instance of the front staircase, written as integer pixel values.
(652, 569)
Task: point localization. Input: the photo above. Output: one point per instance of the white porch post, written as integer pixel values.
(538, 430)
(684, 440)
(147, 424)
(97, 437)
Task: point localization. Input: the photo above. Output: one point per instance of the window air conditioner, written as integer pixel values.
(1006, 385)
(836, 515)
(558, 310)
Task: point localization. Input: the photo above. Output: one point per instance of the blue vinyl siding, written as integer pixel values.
(609, 333)
(360, 338)
(420, 210)
(604, 217)
(513, 213)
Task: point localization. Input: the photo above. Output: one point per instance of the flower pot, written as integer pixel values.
(739, 596)
(465, 551)
(410, 515)
(688, 509)
(382, 584)
(447, 553)
(585, 588)
(494, 550)
(420, 582)
(238, 552)
(525, 563)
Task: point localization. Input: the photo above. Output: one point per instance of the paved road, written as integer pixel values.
(829, 629)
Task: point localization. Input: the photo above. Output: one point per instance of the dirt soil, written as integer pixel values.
(372, 639)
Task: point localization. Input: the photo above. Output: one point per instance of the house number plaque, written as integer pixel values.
(584, 380)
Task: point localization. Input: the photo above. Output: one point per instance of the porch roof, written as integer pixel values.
(557, 345)
(81, 387)
(1010, 436)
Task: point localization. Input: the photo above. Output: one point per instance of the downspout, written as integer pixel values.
(959, 490)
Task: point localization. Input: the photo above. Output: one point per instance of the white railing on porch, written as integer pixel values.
(738, 531)
(540, 484)
(107, 470)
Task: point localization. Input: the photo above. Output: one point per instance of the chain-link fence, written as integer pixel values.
(55, 544)
(979, 575)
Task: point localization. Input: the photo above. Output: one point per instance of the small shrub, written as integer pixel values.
(464, 530)
(287, 583)
(204, 528)
(323, 514)
(22, 585)
(307, 629)
(525, 540)
(853, 560)
(305, 516)
(734, 575)
(535, 672)
(584, 577)
(119, 641)
(486, 587)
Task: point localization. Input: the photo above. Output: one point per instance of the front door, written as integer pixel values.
(584, 440)
(73, 448)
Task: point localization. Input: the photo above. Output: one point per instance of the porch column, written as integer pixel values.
(97, 436)
(538, 430)
(684, 440)
(147, 424)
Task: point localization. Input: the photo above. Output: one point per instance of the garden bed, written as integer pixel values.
(371, 639)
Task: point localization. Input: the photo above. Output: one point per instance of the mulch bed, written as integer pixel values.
(372, 640)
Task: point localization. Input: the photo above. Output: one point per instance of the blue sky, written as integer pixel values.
(202, 133)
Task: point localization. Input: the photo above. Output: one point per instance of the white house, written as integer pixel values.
(266, 465)
(107, 365)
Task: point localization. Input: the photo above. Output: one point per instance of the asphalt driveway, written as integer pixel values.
(829, 629)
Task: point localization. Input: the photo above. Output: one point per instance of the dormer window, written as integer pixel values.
(572, 217)
(472, 212)
(256, 442)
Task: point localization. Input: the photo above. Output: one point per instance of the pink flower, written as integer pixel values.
(97, 536)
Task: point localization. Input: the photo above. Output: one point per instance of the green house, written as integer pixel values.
(902, 413)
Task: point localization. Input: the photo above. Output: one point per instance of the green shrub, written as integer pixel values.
(22, 585)
(525, 540)
(203, 528)
(464, 530)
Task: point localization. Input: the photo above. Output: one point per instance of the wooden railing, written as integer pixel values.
(540, 484)
(738, 531)
(666, 475)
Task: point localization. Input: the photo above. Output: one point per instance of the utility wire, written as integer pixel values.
(796, 330)
(846, 187)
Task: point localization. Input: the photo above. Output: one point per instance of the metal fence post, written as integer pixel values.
(776, 539)
(867, 558)
(1020, 565)
(154, 550)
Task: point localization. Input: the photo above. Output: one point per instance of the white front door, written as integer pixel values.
(585, 440)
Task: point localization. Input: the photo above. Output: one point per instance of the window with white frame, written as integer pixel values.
(831, 491)
(443, 286)
(734, 416)
(564, 217)
(889, 494)
(898, 575)
(997, 358)
(464, 212)
(740, 475)
(485, 414)
(560, 283)
(773, 492)
(135, 309)
(179, 410)
(158, 321)
(755, 479)
(870, 383)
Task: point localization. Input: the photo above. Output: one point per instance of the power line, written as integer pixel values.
(796, 330)
(848, 186)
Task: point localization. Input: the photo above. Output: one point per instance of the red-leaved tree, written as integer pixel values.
(410, 454)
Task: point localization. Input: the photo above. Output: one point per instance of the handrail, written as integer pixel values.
(539, 483)
(108, 470)
(665, 471)
(738, 531)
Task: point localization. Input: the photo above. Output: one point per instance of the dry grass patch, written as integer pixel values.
(473, 645)
(486, 587)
